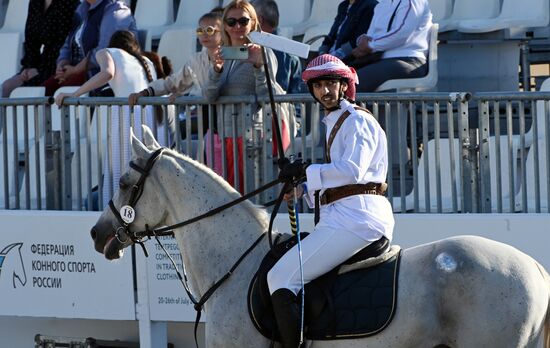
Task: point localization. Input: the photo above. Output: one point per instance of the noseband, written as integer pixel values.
(126, 214)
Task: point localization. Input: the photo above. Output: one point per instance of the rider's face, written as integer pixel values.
(328, 92)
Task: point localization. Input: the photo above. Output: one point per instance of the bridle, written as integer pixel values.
(126, 215)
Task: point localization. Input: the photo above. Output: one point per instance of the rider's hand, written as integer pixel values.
(295, 171)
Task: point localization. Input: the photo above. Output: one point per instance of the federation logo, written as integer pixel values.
(11, 260)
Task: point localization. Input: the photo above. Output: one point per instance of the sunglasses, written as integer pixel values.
(209, 30)
(243, 21)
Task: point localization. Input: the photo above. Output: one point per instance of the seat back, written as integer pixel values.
(441, 9)
(16, 16)
(533, 13)
(190, 11)
(474, 9)
(422, 83)
(25, 92)
(178, 45)
(154, 13)
(323, 11)
(11, 54)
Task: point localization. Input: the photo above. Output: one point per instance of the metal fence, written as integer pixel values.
(448, 152)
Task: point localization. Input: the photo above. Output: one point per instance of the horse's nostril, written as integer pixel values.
(93, 233)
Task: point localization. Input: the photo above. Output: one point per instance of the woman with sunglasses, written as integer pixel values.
(231, 77)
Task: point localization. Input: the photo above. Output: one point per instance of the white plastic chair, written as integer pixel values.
(514, 14)
(11, 54)
(316, 33)
(25, 92)
(154, 16)
(420, 83)
(469, 9)
(441, 9)
(322, 12)
(190, 11)
(16, 16)
(178, 45)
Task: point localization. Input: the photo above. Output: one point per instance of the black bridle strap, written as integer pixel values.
(213, 288)
(137, 189)
(167, 230)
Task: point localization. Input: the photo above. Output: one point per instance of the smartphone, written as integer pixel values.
(236, 53)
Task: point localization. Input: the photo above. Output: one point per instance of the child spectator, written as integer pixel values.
(126, 69)
(48, 23)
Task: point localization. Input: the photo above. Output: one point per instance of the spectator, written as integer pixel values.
(238, 78)
(96, 21)
(289, 68)
(191, 78)
(127, 70)
(48, 23)
(353, 19)
(400, 30)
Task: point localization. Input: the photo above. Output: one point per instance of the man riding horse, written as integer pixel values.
(349, 187)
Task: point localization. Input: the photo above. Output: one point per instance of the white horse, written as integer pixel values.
(461, 292)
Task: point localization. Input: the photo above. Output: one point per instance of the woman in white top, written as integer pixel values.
(126, 69)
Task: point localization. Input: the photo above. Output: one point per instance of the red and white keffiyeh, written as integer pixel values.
(327, 64)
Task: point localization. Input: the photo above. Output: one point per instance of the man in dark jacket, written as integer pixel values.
(352, 20)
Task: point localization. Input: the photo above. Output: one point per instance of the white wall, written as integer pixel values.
(527, 232)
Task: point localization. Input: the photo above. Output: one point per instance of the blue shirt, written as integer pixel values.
(115, 16)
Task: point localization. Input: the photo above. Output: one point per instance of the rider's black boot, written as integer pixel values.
(287, 314)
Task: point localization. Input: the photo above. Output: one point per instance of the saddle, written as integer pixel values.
(356, 299)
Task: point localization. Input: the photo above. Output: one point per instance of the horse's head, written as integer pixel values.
(136, 206)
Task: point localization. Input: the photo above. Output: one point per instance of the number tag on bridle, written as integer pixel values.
(128, 214)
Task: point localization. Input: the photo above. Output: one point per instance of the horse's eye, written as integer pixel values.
(123, 182)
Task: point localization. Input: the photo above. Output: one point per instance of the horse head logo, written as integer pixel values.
(15, 262)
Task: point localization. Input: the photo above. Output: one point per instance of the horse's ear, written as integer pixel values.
(149, 138)
(139, 150)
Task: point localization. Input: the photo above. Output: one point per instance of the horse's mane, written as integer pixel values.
(258, 212)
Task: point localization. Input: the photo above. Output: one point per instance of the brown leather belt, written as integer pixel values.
(333, 194)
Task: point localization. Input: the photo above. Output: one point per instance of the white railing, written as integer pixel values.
(449, 152)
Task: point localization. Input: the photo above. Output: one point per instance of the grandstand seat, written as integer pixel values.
(322, 12)
(153, 16)
(190, 11)
(23, 166)
(469, 9)
(9, 60)
(178, 45)
(315, 35)
(514, 14)
(421, 83)
(16, 16)
(291, 14)
(441, 9)
(25, 92)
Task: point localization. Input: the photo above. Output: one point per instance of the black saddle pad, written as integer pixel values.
(355, 304)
